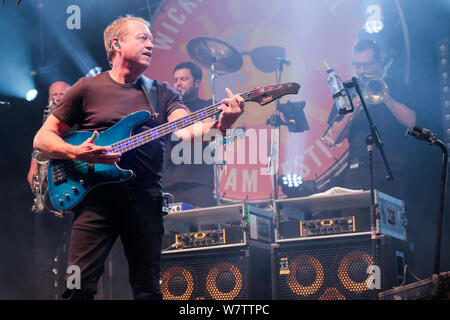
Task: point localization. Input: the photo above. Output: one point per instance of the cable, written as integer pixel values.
(176, 245)
(405, 269)
(165, 194)
(415, 277)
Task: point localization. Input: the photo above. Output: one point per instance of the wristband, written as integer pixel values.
(224, 132)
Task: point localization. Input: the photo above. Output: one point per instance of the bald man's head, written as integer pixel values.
(57, 89)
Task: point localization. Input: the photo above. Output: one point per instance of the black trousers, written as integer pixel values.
(51, 238)
(109, 212)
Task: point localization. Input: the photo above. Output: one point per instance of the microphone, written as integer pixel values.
(52, 102)
(422, 134)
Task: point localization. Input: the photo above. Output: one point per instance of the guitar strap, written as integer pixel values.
(151, 92)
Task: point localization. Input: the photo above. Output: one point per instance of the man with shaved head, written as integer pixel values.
(50, 231)
(56, 92)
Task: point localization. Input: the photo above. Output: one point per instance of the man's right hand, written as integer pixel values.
(91, 153)
(339, 130)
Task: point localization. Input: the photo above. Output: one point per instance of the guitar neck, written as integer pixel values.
(160, 131)
(262, 95)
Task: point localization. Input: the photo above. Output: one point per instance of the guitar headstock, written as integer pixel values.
(267, 94)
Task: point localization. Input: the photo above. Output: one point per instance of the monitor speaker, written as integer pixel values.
(337, 267)
(231, 273)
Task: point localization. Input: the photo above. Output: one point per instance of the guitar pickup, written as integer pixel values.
(59, 172)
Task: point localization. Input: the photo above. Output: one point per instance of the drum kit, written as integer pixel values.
(221, 58)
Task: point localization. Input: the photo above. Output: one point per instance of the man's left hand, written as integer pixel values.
(232, 108)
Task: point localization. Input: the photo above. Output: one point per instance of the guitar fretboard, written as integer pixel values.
(169, 127)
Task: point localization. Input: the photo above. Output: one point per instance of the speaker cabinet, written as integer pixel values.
(230, 273)
(337, 267)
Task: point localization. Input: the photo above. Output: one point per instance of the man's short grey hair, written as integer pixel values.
(118, 29)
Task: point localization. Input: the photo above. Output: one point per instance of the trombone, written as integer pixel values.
(375, 90)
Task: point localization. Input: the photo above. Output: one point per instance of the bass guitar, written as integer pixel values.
(69, 181)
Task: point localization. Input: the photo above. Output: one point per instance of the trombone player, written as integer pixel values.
(391, 117)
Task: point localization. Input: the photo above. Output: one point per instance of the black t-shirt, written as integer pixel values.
(392, 133)
(97, 103)
(198, 173)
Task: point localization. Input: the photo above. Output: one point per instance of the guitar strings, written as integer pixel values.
(70, 165)
(193, 117)
(162, 130)
(147, 136)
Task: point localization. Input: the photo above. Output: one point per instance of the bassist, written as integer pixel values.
(131, 210)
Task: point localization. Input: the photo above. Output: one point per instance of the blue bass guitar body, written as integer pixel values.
(70, 180)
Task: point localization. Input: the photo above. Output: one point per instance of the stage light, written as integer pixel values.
(94, 71)
(31, 94)
(291, 180)
(15, 62)
(374, 22)
(69, 42)
(446, 104)
(293, 185)
(444, 70)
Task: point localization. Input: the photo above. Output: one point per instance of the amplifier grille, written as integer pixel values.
(195, 278)
(331, 272)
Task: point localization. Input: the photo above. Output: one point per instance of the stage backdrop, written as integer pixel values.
(307, 33)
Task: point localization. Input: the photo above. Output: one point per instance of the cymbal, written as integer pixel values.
(210, 51)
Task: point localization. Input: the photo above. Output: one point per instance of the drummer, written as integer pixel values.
(192, 181)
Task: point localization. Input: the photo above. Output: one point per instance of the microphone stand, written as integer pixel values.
(275, 121)
(424, 134)
(274, 152)
(372, 138)
(443, 190)
(441, 203)
(216, 165)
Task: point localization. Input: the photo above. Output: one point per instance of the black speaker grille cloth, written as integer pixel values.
(326, 273)
(218, 277)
